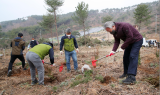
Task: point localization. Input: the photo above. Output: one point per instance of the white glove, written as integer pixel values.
(120, 50)
(61, 52)
(112, 52)
(53, 64)
(77, 50)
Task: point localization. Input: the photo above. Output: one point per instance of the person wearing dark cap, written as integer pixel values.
(18, 45)
(69, 42)
(132, 43)
(35, 56)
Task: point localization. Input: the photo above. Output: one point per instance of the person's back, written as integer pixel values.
(18, 46)
(41, 49)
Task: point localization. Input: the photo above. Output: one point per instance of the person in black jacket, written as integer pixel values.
(32, 43)
(18, 45)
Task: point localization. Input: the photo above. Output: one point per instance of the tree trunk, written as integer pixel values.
(56, 26)
(51, 33)
(84, 33)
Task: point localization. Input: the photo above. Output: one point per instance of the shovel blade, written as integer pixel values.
(94, 63)
(61, 68)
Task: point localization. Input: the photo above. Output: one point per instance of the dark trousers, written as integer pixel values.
(130, 58)
(13, 58)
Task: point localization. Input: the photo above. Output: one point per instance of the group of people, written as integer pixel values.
(132, 43)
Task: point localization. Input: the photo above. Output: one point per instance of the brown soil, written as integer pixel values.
(108, 79)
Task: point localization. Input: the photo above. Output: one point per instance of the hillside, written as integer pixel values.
(30, 27)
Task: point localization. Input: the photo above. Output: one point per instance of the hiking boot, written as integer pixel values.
(69, 71)
(129, 80)
(24, 68)
(122, 76)
(34, 82)
(9, 73)
(40, 84)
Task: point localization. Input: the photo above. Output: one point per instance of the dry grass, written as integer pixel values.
(58, 83)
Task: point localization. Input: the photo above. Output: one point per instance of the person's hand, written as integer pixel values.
(61, 52)
(111, 53)
(53, 64)
(120, 50)
(28, 49)
(77, 50)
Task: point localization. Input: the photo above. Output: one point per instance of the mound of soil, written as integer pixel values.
(106, 92)
(154, 81)
(108, 79)
(3, 71)
(20, 71)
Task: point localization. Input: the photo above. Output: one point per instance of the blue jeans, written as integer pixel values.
(130, 58)
(74, 57)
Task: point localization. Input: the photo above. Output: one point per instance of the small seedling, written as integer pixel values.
(112, 85)
(55, 89)
(18, 64)
(99, 77)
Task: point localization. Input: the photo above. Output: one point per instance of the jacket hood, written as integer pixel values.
(48, 44)
(17, 39)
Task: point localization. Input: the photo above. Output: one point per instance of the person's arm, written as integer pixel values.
(23, 47)
(116, 44)
(75, 43)
(11, 44)
(129, 36)
(61, 44)
(37, 42)
(51, 55)
(28, 45)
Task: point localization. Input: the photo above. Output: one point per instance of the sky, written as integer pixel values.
(14, 9)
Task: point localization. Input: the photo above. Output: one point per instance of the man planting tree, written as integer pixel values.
(132, 43)
(35, 57)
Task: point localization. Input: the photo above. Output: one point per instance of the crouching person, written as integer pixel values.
(35, 57)
(69, 42)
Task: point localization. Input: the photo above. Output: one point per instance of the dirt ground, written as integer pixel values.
(63, 83)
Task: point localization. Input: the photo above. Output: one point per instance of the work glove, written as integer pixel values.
(53, 64)
(112, 52)
(120, 50)
(77, 50)
(61, 52)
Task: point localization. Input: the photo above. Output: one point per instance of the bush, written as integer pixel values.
(42, 40)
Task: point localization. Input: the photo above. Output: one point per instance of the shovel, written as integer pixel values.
(94, 61)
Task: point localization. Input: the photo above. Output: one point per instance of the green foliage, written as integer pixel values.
(53, 5)
(47, 22)
(86, 79)
(99, 77)
(63, 84)
(142, 14)
(42, 40)
(88, 73)
(106, 18)
(55, 89)
(81, 13)
(76, 33)
(18, 64)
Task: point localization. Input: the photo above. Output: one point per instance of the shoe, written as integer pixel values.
(34, 82)
(69, 71)
(9, 73)
(122, 76)
(40, 84)
(24, 68)
(129, 80)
